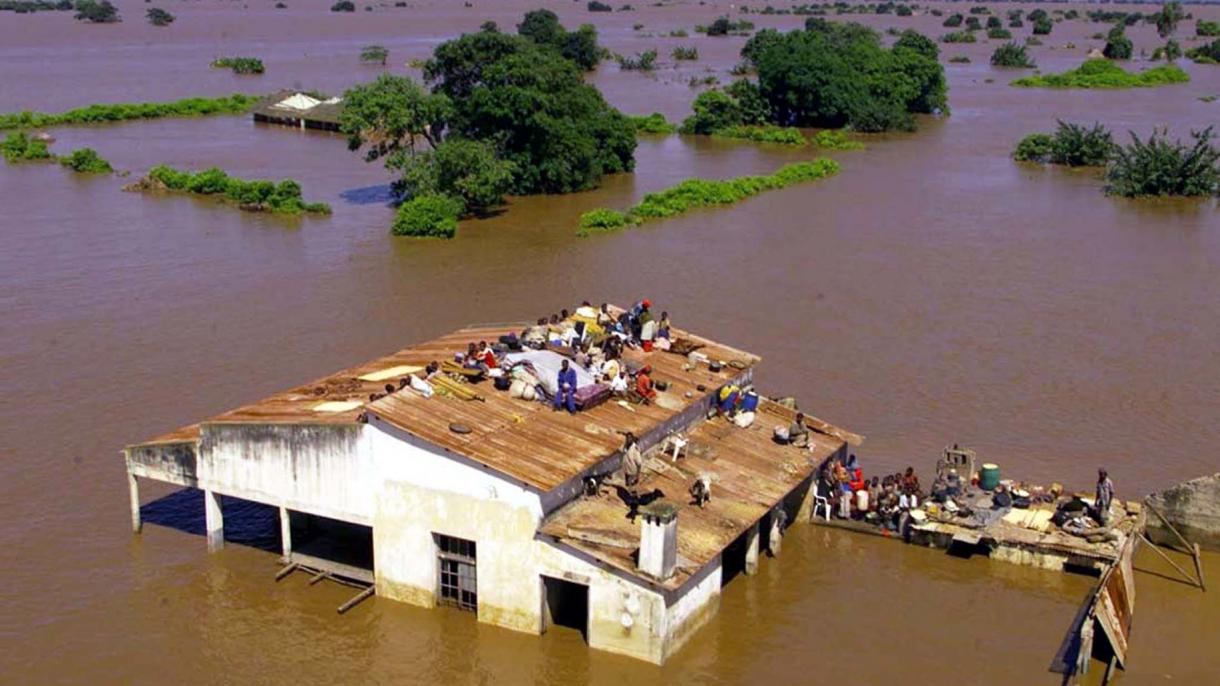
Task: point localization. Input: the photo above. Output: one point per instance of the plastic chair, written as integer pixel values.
(820, 500)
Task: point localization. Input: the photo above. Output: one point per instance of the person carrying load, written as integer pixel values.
(727, 399)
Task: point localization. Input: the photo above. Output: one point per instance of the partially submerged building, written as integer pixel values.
(507, 509)
(300, 110)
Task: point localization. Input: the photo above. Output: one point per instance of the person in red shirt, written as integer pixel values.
(857, 482)
(487, 356)
(643, 384)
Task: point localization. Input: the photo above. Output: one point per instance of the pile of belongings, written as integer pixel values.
(538, 371)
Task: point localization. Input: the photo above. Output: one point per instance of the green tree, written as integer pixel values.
(343, 6)
(427, 216)
(580, 46)
(86, 161)
(713, 110)
(393, 113)
(1118, 46)
(1011, 55)
(953, 21)
(541, 26)
(467, 170)
(1167, 19)
(159, 17)
(374, 54)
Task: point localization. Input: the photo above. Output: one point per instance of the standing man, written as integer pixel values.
(1103, 497)
(566, 388)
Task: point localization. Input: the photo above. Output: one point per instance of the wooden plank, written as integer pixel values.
(357, 599)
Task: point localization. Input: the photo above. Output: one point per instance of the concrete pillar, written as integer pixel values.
(133, 487)
(752, 550)
(214, 521)
(776, 538)
(286, 532)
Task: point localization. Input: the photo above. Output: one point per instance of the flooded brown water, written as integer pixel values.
(934, 292)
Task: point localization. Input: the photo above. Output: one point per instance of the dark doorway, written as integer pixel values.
(733, 559)
(342, 548)
(457, 564)
(565, 603)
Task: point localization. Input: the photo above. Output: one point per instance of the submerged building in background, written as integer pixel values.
(503, 507)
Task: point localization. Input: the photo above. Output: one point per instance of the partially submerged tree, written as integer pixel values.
(580, 46)
(97, 12)
(1160, 167)
(1118, 46)
(1072, 145)
(1167, 19)
(374, 54)
(393, 113)
(1011, 55)
(159, 17)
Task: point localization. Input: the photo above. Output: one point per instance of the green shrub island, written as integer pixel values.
(240, 65)
(1072, 145)
(343, 6)
(254, 196)
(999, 34)
(596, 6)
(696, 193)
(97, 12)
(86, 161)
(1169, 52)
(1012, 55)
(1100, 73)
(32, 6)
(723, 26)
(958, 37)
(1158, 167)
(18, 147)
(504, 114)
(1168, 18)
(159, 17)
(96, 114)
(953, 21)
(763, 133)
(833, 139)
(1207, 29)
(644, 61)
(959, 59)
(654, 123)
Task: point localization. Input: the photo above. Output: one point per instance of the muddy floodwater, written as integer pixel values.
(933, 292)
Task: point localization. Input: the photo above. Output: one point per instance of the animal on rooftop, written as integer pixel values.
(701, 490)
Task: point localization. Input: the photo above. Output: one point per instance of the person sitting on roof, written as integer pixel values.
(643, 384)
(727, 399)
(566, 393)
(618, 384)
(487, 356)
(798, 433)
(910, 482)
(604, 318)
(472, 360)
(664, 325)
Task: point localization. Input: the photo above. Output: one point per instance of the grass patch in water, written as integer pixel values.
(86, 161)
(96, 114)
(253, 196)
(655, 123)
(696, 193)
(767, 133)
(18, 147)
(832, 139)
(1101, 73)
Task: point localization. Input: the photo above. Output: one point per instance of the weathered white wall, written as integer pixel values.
(697, 605)
(324, 470)
(424, 492)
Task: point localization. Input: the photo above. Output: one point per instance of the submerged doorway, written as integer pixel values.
(457, 560)
(565, 603)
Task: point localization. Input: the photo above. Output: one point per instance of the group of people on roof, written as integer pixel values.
(883, 500)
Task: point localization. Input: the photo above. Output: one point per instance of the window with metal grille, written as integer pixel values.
(458, 574)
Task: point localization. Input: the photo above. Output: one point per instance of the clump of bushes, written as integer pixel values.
(374, 54)
(959, 59)
(343, 6)
(18, 147)
(93, 114)
(695, 193)
(159, 17)
(1011, 55)
(255, 196)
(958, 37)
(833, 139)
(724, 26)
(595, 6)
(1118, 46)
(1099, 73)
(1042, 26)
(644, 61)
(654, 123)
(1208, 29)
(240, 65)
(683, 52)
(432, 215)
(86, 161)
(31, 6)
(1205, 54)
(1072, 145)
(1160, 167)
(765, 133)
(999, 34)
(953, 21)
(97, 12)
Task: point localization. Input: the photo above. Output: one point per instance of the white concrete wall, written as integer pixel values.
(323, 470)
(697, 605)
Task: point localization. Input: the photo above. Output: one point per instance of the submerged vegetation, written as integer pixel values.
(94, 114)
(643, 61)
(97, 12)
(765, 133)
(86, 161)
(428, 216)
(831, 139)
(159, 17)
(18, 147)
(1099, 73)
(695, 193)
(254, 196)
(1161, 167)
(240, 65)
(1072, 145)
(580, 46)
(1208, 53)
(1012, 55)
(374, 54)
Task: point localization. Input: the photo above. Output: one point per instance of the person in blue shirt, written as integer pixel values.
(566, 388)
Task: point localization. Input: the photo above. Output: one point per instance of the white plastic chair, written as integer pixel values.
(820, 501)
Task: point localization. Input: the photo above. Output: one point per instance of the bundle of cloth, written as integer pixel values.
(544, 366)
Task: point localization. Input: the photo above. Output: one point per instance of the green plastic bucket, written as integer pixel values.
(989, 477)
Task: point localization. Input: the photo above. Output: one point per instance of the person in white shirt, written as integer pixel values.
(618, 385)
